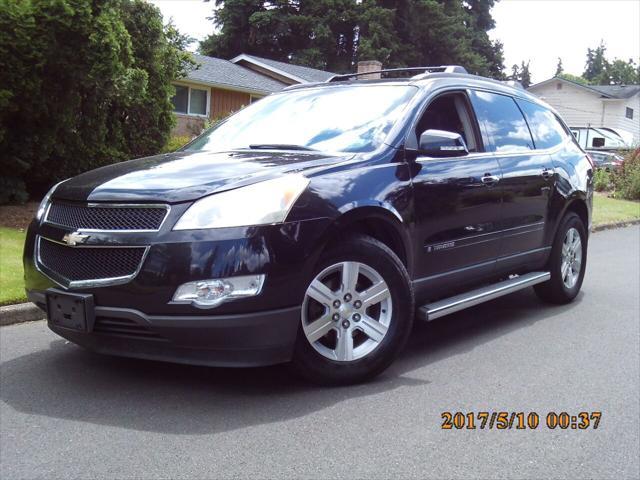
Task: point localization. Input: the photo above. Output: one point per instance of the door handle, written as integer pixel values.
(490, 180)
(547, 173)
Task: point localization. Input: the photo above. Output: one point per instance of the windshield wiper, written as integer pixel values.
(280, 146)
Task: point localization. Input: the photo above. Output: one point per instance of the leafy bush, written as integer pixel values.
(83, 83)
(627, 181)
(601, 180)
(175, 142)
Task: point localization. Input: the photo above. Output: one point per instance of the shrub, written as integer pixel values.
(83, 83)
(627, 181)
(175, 143)
(601, 180)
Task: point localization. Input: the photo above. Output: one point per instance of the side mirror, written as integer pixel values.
(440, 143)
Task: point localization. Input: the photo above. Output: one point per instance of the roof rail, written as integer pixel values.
(425, 70)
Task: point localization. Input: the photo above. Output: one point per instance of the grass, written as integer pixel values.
(11, 275)
(612, 210)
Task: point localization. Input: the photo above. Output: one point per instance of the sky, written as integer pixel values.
(538, 31)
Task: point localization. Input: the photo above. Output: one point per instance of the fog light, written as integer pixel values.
(211, 293)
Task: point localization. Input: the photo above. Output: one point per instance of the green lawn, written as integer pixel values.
(11, 282)
(611, 210)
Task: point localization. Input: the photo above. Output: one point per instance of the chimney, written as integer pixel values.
(369, 66)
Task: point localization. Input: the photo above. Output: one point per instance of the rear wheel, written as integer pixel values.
(567, 262)
(356, 313)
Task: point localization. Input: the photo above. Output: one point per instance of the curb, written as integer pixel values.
(20, 313)
(609, 226)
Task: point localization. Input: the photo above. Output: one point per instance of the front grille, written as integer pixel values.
(74, 264)
(96, 217)
(123, 327)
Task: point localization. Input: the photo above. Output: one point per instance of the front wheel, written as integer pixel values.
(356, 313)
(567, 262)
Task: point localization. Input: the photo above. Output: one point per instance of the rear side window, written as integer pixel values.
(503, 122)
(545, 127)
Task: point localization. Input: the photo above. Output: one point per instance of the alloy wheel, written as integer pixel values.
(571, 258)
(347, 311)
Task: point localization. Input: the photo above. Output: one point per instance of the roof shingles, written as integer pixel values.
(219, 72)
(305, 73)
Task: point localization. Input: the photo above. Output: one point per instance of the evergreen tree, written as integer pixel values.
(525, 75)
(335, 34)
(595, 71)
(515, 73)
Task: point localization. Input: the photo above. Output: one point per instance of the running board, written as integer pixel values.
(456, 303)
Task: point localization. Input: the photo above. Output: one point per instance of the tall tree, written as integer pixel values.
(559, 68)
(596, 65)
(525, 74)
(335, 34)
(515, 73)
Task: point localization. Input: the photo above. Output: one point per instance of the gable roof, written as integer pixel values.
(298, 73)
(218, 72)
(616, 92)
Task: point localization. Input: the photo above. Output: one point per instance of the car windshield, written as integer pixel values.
(335, 119)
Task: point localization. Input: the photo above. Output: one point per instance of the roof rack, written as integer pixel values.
(424, 70)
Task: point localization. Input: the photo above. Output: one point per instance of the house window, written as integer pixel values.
(558, 86)
(189, 100)
(198, 103)
(181, 99)
(629, 113)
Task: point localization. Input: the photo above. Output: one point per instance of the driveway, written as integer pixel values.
(68, 413)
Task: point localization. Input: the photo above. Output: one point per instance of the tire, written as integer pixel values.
(564, 284)
(358, 338)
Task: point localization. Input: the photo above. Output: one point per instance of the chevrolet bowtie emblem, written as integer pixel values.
(74, 238)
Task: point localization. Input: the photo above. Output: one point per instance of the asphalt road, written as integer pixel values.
(67, 413)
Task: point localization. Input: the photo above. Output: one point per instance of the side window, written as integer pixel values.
(503, 122)
(545, 127)
(450, 112)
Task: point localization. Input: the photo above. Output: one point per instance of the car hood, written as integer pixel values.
(184, 176)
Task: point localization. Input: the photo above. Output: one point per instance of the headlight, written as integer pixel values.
(211, 293)
(262, 203)
(42, 208)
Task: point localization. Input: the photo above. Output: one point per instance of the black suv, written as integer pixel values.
(315, 224)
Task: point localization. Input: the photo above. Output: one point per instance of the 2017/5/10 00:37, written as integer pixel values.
(519, 420)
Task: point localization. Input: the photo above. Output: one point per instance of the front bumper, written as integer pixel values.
(139, 318)
(239, 340)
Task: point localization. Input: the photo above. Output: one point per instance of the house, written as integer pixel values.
(588, 108)
(219, 87)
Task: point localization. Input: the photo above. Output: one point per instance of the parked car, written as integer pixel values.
(610, 161)
(313, 226)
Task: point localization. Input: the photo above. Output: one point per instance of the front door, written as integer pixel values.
(457, 201)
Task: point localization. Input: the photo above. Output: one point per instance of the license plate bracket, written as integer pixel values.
(74, 311)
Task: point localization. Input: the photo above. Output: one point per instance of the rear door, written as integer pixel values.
(527, 178)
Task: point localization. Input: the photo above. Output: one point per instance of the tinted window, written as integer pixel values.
(546, 129)
(503, 122)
